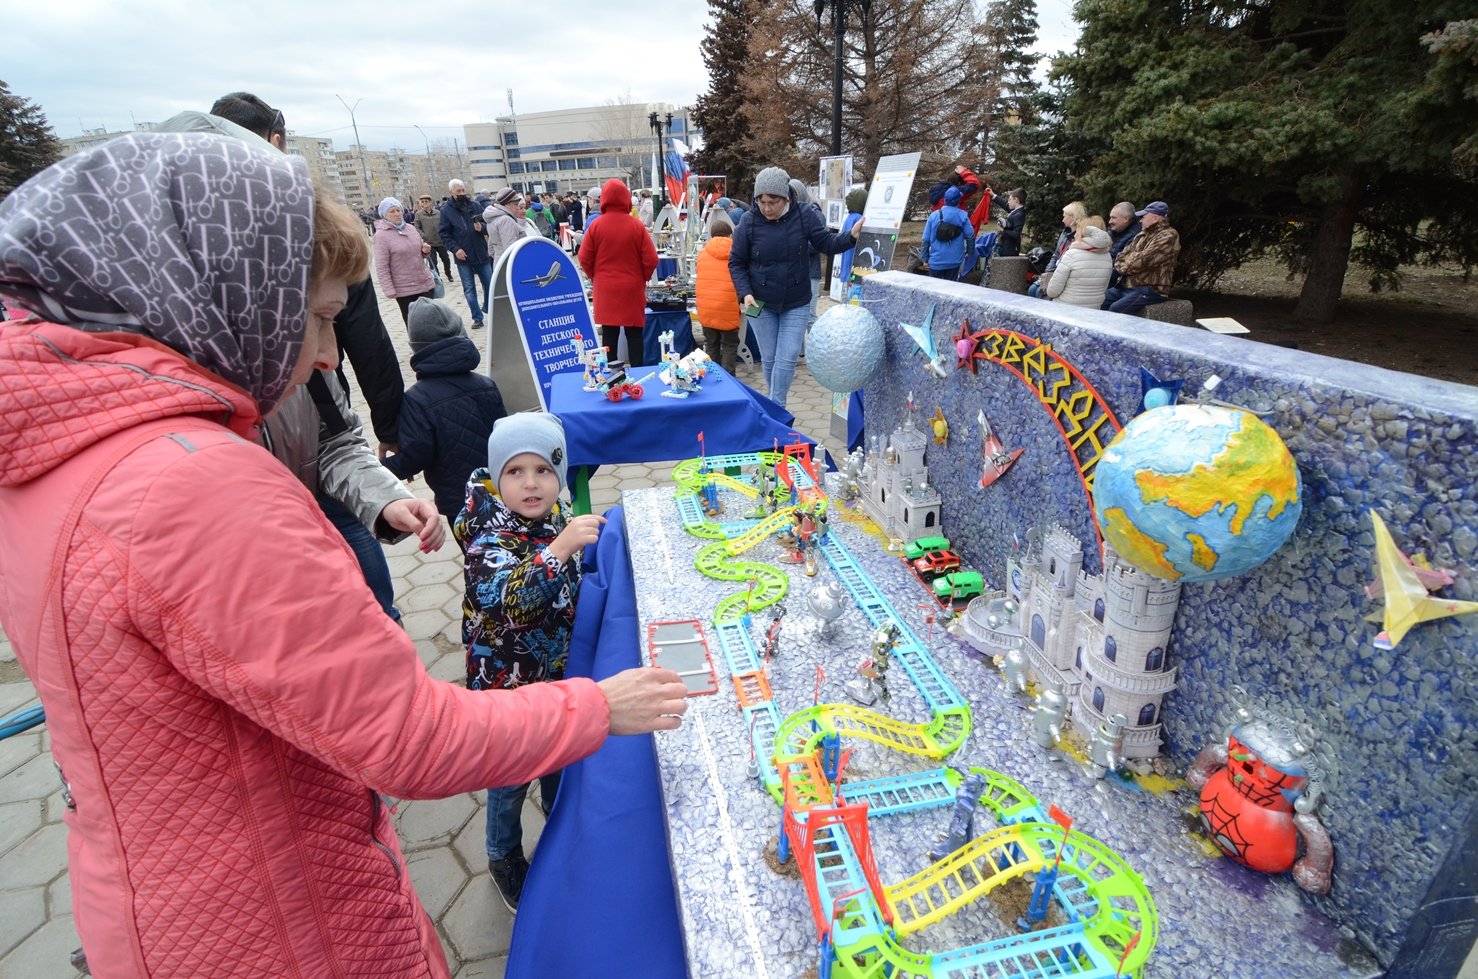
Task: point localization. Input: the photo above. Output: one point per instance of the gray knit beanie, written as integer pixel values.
(774, 181)
(430, 321)
(530, 431)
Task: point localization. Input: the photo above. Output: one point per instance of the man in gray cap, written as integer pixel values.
(1147, 263)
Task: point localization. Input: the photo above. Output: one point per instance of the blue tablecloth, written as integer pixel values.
(731, 416)
(599, 898)
(658, 322)
(666, 267)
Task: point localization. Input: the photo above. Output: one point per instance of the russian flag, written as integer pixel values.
(676, 171)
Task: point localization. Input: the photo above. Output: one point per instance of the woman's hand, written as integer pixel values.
(857, 231)
(645, 699)
(417, 517)
(425, 248)
(748, 302)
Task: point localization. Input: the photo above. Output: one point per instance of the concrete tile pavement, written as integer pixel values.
(442, 839)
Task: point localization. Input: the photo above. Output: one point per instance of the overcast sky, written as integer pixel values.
(104, 64)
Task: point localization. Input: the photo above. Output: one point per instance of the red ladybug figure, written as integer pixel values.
(1256, 803)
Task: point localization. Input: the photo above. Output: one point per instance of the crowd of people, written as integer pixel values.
(180, 398)
(228, 699)
(1123, 265)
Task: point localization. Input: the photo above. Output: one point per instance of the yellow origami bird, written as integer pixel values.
(1407, 601)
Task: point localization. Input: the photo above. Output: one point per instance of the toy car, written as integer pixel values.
(937, 563)
(924, 545)
(959, 585)
(619, 386)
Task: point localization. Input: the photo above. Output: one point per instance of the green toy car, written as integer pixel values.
(959, 585)
(924, 545)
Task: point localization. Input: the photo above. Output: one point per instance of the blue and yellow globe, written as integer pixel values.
(1197, 492)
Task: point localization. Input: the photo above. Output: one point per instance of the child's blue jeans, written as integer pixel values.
(505, 808)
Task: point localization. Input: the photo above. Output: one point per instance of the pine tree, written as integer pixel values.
(911, 80)
(718, 112)
(1284, 127)
(27, 143)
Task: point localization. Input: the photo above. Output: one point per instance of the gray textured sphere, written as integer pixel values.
(845, 349)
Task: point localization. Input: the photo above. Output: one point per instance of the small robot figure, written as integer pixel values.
(681, 374)
(770, 646)
(874, 669)
(852, 475)
(1047, 716)
(1106, 749)
(595, 360)
(1014, 669)
(827, 602)
(962, 817)
(1258, 797)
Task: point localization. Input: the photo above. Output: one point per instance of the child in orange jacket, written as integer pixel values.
(718, 303)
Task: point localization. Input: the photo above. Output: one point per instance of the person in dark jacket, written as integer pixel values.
(449, 411)
(576, 212)
(1122, 226)
(769, 265)
(462, 231)
(1009, 244)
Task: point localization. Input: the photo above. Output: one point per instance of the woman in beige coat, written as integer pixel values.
(1082, 274)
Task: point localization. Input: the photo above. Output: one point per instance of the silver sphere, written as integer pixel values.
(845, 349)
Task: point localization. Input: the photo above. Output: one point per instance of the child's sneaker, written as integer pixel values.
(509, 873)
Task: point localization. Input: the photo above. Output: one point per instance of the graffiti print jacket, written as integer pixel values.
(519, 608)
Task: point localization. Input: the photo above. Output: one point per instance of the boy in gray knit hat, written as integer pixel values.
(523, 576)
(448, 413)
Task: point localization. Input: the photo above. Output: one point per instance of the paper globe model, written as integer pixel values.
(1197, 492)
(845, 349)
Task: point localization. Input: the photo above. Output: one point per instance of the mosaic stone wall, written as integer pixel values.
(1398, 730)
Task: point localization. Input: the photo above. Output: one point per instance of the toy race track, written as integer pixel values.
(1111, 924)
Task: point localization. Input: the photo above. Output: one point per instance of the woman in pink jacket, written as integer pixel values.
(400, 258)
(226, 702)
(618, 255)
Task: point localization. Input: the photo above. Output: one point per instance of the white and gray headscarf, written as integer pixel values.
(201, 242)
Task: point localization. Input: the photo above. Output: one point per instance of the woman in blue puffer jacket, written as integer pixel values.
(770, 266)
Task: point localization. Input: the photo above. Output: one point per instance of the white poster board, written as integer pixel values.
(836, 180)
(887, 198)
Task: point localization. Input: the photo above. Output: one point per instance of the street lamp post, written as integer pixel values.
(430, 161)
(358, 146)
(656, 125)
(839, 26)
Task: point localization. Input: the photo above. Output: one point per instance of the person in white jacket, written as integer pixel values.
(1083, 271)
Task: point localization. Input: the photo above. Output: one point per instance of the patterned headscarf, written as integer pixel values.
(201, 242)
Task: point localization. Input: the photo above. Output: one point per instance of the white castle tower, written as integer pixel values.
(1103, 638)
(895, 486)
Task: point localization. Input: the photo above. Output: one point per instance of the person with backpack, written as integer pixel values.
(948, 238)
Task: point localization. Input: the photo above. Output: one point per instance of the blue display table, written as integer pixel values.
(731, 416)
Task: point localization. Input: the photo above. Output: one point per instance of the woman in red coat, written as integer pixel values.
(618, 255)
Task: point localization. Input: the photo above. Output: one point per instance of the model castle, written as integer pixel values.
(895, 485)
(1101, 638)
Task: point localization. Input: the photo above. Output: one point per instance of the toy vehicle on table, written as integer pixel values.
(937, 563)
(618, 385)
(923, 546)
(958, 586)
